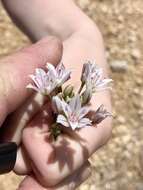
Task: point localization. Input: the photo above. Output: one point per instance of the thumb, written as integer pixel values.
(14, 71)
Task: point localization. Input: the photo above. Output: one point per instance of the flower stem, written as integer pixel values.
(81, 87)
(55, 131)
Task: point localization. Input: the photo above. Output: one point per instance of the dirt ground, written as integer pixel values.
(119, 165)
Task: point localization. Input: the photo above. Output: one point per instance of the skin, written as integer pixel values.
(81, 41)
(13, 94)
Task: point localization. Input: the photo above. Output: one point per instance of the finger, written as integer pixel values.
(97, 135)
(57, 159)
(91, 48)
(69, 183)
(15, 69)
(84, 47)
(23, 164)
(18, 120)
(85, 141)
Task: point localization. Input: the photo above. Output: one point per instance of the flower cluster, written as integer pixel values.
(47, 82)
(71, 109)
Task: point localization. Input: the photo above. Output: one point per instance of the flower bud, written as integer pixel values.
(85, 72)
(99, 115)
(86, 96)
(68, 91)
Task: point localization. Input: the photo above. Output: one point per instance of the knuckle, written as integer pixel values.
(43, 50)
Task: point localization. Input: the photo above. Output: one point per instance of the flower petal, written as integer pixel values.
(99, 115)
(66, 76)
(74, 125)
(41, 77)
(32, 87)
(60, 69)
(104, 83)
(52, 70)
(85, 122)
(62, 120)
(67, 109)
(57, 104)
(84, 110)
(40, 72)
(75, 103)
(35, 80)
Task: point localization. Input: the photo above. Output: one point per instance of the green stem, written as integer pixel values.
(55, 131)
(81, 87)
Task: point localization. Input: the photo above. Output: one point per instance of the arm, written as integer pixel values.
(66, 21)
(61, 18)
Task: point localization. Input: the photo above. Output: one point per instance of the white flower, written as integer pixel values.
(88, 69)
(43, 83)
(93, 78)
(97, 83)
(99, 115)
(59, 74)
(46, 82)
(72, 114)
(57, 104)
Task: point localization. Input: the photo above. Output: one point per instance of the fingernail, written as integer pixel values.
(8, 153)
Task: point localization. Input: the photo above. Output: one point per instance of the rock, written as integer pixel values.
(136, 54)
(139, 186)
(132, 38)
(139, 81)
(136, 91)
(84, 187)
(121, 119)
(84, 3)
(104, 8)
(120, 18)
(92, 187)
(136, 103)
(108, 186)
(119, 66)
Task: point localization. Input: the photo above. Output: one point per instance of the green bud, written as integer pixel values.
(55, 131)
(68, 91)
(86, 96)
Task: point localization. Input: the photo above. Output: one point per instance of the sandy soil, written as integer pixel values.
(119, 165)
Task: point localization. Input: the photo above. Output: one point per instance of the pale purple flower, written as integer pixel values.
(72, 114)
(46, 82)
(57, 104)
(59, 74)
(43, 83)
(97, 84)
(88, 69)
(99, 115)
(92, 76)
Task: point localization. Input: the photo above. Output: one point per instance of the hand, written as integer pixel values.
(14, 71)
(15, 68)
(52, 161)
(82, 40)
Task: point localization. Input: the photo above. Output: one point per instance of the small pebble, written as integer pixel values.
(84, 187)
(121, 119)
(139, 186)
(119, 66)
(136, 54)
